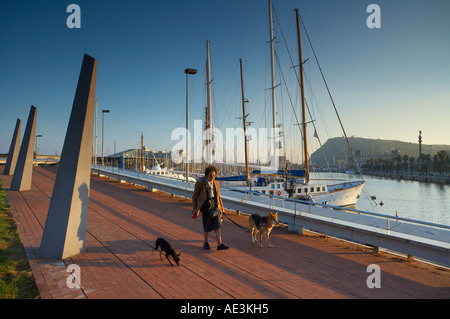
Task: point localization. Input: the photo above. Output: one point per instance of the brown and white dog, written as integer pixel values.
(263, 225)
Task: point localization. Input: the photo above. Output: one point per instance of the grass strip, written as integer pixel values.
(16, 278)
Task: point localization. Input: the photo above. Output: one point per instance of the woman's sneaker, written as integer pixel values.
(222, 247)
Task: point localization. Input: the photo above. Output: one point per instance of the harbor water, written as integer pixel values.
(428, 202)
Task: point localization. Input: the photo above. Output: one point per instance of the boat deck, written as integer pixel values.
(125, 220)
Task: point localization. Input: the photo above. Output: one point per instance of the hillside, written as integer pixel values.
(336, 149)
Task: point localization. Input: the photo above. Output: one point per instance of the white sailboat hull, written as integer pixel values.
(344, 194)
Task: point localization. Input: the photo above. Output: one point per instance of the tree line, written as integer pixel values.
(425, 164)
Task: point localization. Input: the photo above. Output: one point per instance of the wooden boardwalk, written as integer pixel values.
(124, 222)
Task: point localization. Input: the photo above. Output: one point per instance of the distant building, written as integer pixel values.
(131, 153)
(131, 158)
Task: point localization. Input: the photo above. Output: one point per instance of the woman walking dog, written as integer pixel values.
(206, 199)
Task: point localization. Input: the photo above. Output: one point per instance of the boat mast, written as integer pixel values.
(274, 112)
(244, 117)
(208, 124)
(305, 145)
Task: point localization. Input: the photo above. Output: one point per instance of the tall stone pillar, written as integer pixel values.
(11, 161)
(65, 228)
(21, 180)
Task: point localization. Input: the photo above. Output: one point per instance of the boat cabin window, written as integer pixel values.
(318, 189)
(323, 188)
(263, 191)
(272, 186)
(305, 190)
(312, 189)
(278, 185)
(299, 190)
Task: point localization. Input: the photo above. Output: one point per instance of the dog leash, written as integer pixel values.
(242, 227)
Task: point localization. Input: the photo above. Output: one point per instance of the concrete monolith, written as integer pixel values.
(21, 180)
(11, 161)
(66, 225)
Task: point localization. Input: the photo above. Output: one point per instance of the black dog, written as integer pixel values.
(168, 249)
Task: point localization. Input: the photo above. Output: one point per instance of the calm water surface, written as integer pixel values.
(415, 200)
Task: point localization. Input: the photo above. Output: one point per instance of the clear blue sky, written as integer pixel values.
(387, 83)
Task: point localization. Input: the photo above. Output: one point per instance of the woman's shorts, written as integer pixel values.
(211, 223)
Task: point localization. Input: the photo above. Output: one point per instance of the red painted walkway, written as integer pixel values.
(124, 221)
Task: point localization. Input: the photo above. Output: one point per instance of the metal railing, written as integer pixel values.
(422, 239)
(248, 196)
(344, 209)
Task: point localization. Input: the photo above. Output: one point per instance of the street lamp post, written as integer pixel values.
(36, 146)
(95, 147)
(103, 132)
(188, 71)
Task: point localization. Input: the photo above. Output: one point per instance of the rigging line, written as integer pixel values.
(200, 67)
(292, 63)
(231, 92)
(298, 79)
(307, 105)
(314, 101)
(290, 99)
(261, 23)
(287, 48)
(329, 93)
(283, 131)
(319, 140)
(296, 74)
(289, 95)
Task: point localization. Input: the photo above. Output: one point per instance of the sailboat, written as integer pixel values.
(297, 183)
(159, 171)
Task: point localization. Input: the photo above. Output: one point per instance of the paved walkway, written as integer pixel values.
(124, 221)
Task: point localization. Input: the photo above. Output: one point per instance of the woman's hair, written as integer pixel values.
(209, 169)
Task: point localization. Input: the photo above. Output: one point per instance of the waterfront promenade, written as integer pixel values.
(124, 222)
(434, 178)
